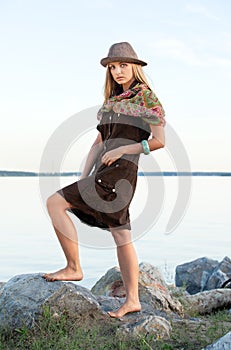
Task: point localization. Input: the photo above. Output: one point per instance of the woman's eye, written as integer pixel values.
(123, 65)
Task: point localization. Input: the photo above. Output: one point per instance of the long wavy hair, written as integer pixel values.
(112, 88)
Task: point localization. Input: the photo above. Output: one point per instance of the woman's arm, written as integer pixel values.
(158, 138)
(157, 141)
(93, 154)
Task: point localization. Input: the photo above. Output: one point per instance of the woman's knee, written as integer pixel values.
(121, 237)
(56, 202)
(50, 202)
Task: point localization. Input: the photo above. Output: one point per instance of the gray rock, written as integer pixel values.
(152, 272)
(109, 303)
(220, 274)
(24, 296)
(76, 302)
(152, 289)
(158, 296)
(153, 325)
(194, 275)
(134, 324)
(110, 284)
(209, 301)
(223, 343)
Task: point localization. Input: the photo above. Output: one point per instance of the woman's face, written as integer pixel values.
(122, 73)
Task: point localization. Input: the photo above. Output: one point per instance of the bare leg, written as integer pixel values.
(130, 272)
(67, 237)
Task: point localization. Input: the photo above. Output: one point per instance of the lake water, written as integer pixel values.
(28, 243)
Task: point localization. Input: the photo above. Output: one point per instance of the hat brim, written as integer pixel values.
(105, 61)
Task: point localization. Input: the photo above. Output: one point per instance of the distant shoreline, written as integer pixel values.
(6, 173)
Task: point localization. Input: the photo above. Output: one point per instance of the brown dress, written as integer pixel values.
(103, 198)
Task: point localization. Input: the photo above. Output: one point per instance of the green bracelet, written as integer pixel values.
(145, 146)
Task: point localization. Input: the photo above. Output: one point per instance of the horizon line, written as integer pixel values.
(10, 173)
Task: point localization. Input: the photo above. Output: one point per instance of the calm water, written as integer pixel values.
(29, 245)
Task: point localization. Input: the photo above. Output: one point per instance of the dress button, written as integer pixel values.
(99, 180)
(113, 190)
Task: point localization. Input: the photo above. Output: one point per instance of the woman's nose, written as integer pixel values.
(117, 70)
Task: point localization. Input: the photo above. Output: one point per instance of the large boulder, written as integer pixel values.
(203, 274)
(24, 296)
(194, 275)
(152, 288)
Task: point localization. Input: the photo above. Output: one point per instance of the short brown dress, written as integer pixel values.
(102, 199)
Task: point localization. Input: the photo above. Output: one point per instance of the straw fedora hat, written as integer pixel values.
(122, 52)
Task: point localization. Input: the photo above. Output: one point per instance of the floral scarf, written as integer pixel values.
(138, 101)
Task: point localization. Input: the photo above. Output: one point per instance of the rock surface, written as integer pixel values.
(219, 275)
(209, 301)
(203, 274)
(195, 274)
(152, 288)
(148, 325)
(223, 343)
(24, 296)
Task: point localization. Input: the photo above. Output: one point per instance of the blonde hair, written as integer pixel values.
(111, 88)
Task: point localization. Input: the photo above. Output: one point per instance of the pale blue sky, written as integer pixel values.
(50, 52)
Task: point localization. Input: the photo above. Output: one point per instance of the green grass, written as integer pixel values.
(203, 331)
(61, 334)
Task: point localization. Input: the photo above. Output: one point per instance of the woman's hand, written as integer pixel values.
(111, 156)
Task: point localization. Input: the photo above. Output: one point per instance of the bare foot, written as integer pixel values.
(66, 274)
(125, 309)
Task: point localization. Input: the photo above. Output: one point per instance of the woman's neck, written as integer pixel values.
(128, 84)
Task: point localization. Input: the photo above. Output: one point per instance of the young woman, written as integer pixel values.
(130, 114)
